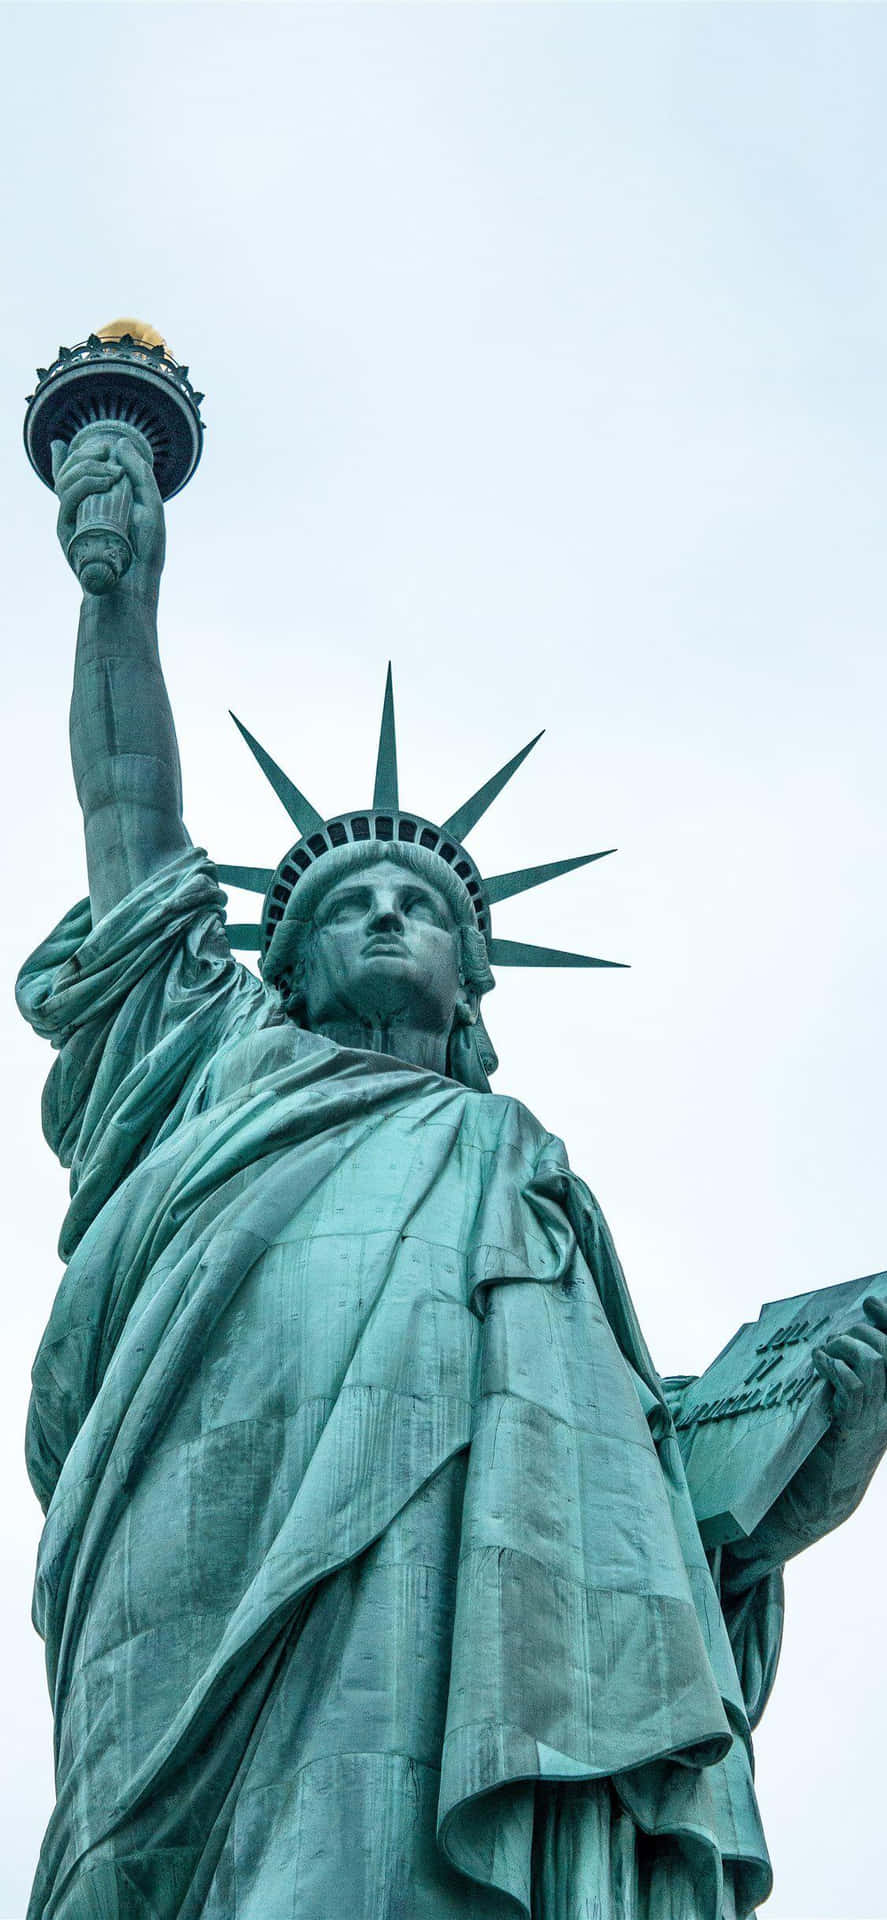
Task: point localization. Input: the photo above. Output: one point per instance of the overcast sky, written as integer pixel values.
(545, 351)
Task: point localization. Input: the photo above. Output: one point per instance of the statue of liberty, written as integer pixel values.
(370, 1581)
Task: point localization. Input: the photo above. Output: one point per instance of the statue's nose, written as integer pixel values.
(386, 918)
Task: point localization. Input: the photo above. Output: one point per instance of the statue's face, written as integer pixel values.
(384, 947)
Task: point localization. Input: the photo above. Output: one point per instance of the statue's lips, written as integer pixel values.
(380, 949)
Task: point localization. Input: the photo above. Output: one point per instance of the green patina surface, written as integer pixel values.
(371, 1580)
(364, 1502)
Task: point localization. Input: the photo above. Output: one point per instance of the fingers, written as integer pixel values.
(62, 457)
(848, 1388)
(77, 480)
(92, 464)
(855, 1365)
(871, 1337)
(86, 481)
(139, 470)
(876, 1310)
(850, 1346)
(76, 475)
(101, 462)
(866, 1366)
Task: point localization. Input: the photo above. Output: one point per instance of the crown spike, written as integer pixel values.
(385, 790)
(247, 938)
(467, 816)
(515, 953)
(300, 810)
(503, 886)
(254, 879)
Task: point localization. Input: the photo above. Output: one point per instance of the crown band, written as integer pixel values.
(357, 829)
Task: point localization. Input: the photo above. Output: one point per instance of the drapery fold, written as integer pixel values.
(303, 1283)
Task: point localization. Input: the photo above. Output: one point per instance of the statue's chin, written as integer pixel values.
(384, 990)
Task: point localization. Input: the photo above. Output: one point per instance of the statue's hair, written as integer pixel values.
(472, 1055)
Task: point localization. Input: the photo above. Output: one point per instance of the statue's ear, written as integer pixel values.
(467, 1007)
(465, 1057)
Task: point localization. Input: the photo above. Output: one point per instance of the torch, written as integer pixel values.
(121, 382)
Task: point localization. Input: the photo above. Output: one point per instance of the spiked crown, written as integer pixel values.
(387, 823)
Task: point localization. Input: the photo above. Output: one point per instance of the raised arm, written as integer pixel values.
(123, 742)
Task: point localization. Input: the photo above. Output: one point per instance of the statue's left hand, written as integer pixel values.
(833, 1478)
(855, 1365)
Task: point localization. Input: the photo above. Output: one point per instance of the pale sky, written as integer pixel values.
(545, 352)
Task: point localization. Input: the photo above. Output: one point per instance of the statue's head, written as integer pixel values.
(380, 916)
(383, 935)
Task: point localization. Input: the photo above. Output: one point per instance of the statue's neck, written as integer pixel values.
(413, 1044)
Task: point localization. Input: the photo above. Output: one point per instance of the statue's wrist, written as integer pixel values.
(129, 595)
(855, 1452)
(832, 1481)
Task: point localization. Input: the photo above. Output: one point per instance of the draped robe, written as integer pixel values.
(369, 1581)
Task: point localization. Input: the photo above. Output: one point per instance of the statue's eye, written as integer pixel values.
(350, 907)
(421, 906)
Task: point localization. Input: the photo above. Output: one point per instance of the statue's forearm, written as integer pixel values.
(123, 748)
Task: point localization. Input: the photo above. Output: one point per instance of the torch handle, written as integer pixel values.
(100, 548)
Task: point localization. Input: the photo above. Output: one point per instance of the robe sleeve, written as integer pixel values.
(754, 1609)
(136, 1007)
(822, 1494)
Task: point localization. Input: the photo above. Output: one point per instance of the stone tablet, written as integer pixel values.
(750, 1420)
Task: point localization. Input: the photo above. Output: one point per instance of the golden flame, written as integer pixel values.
(142, 332)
